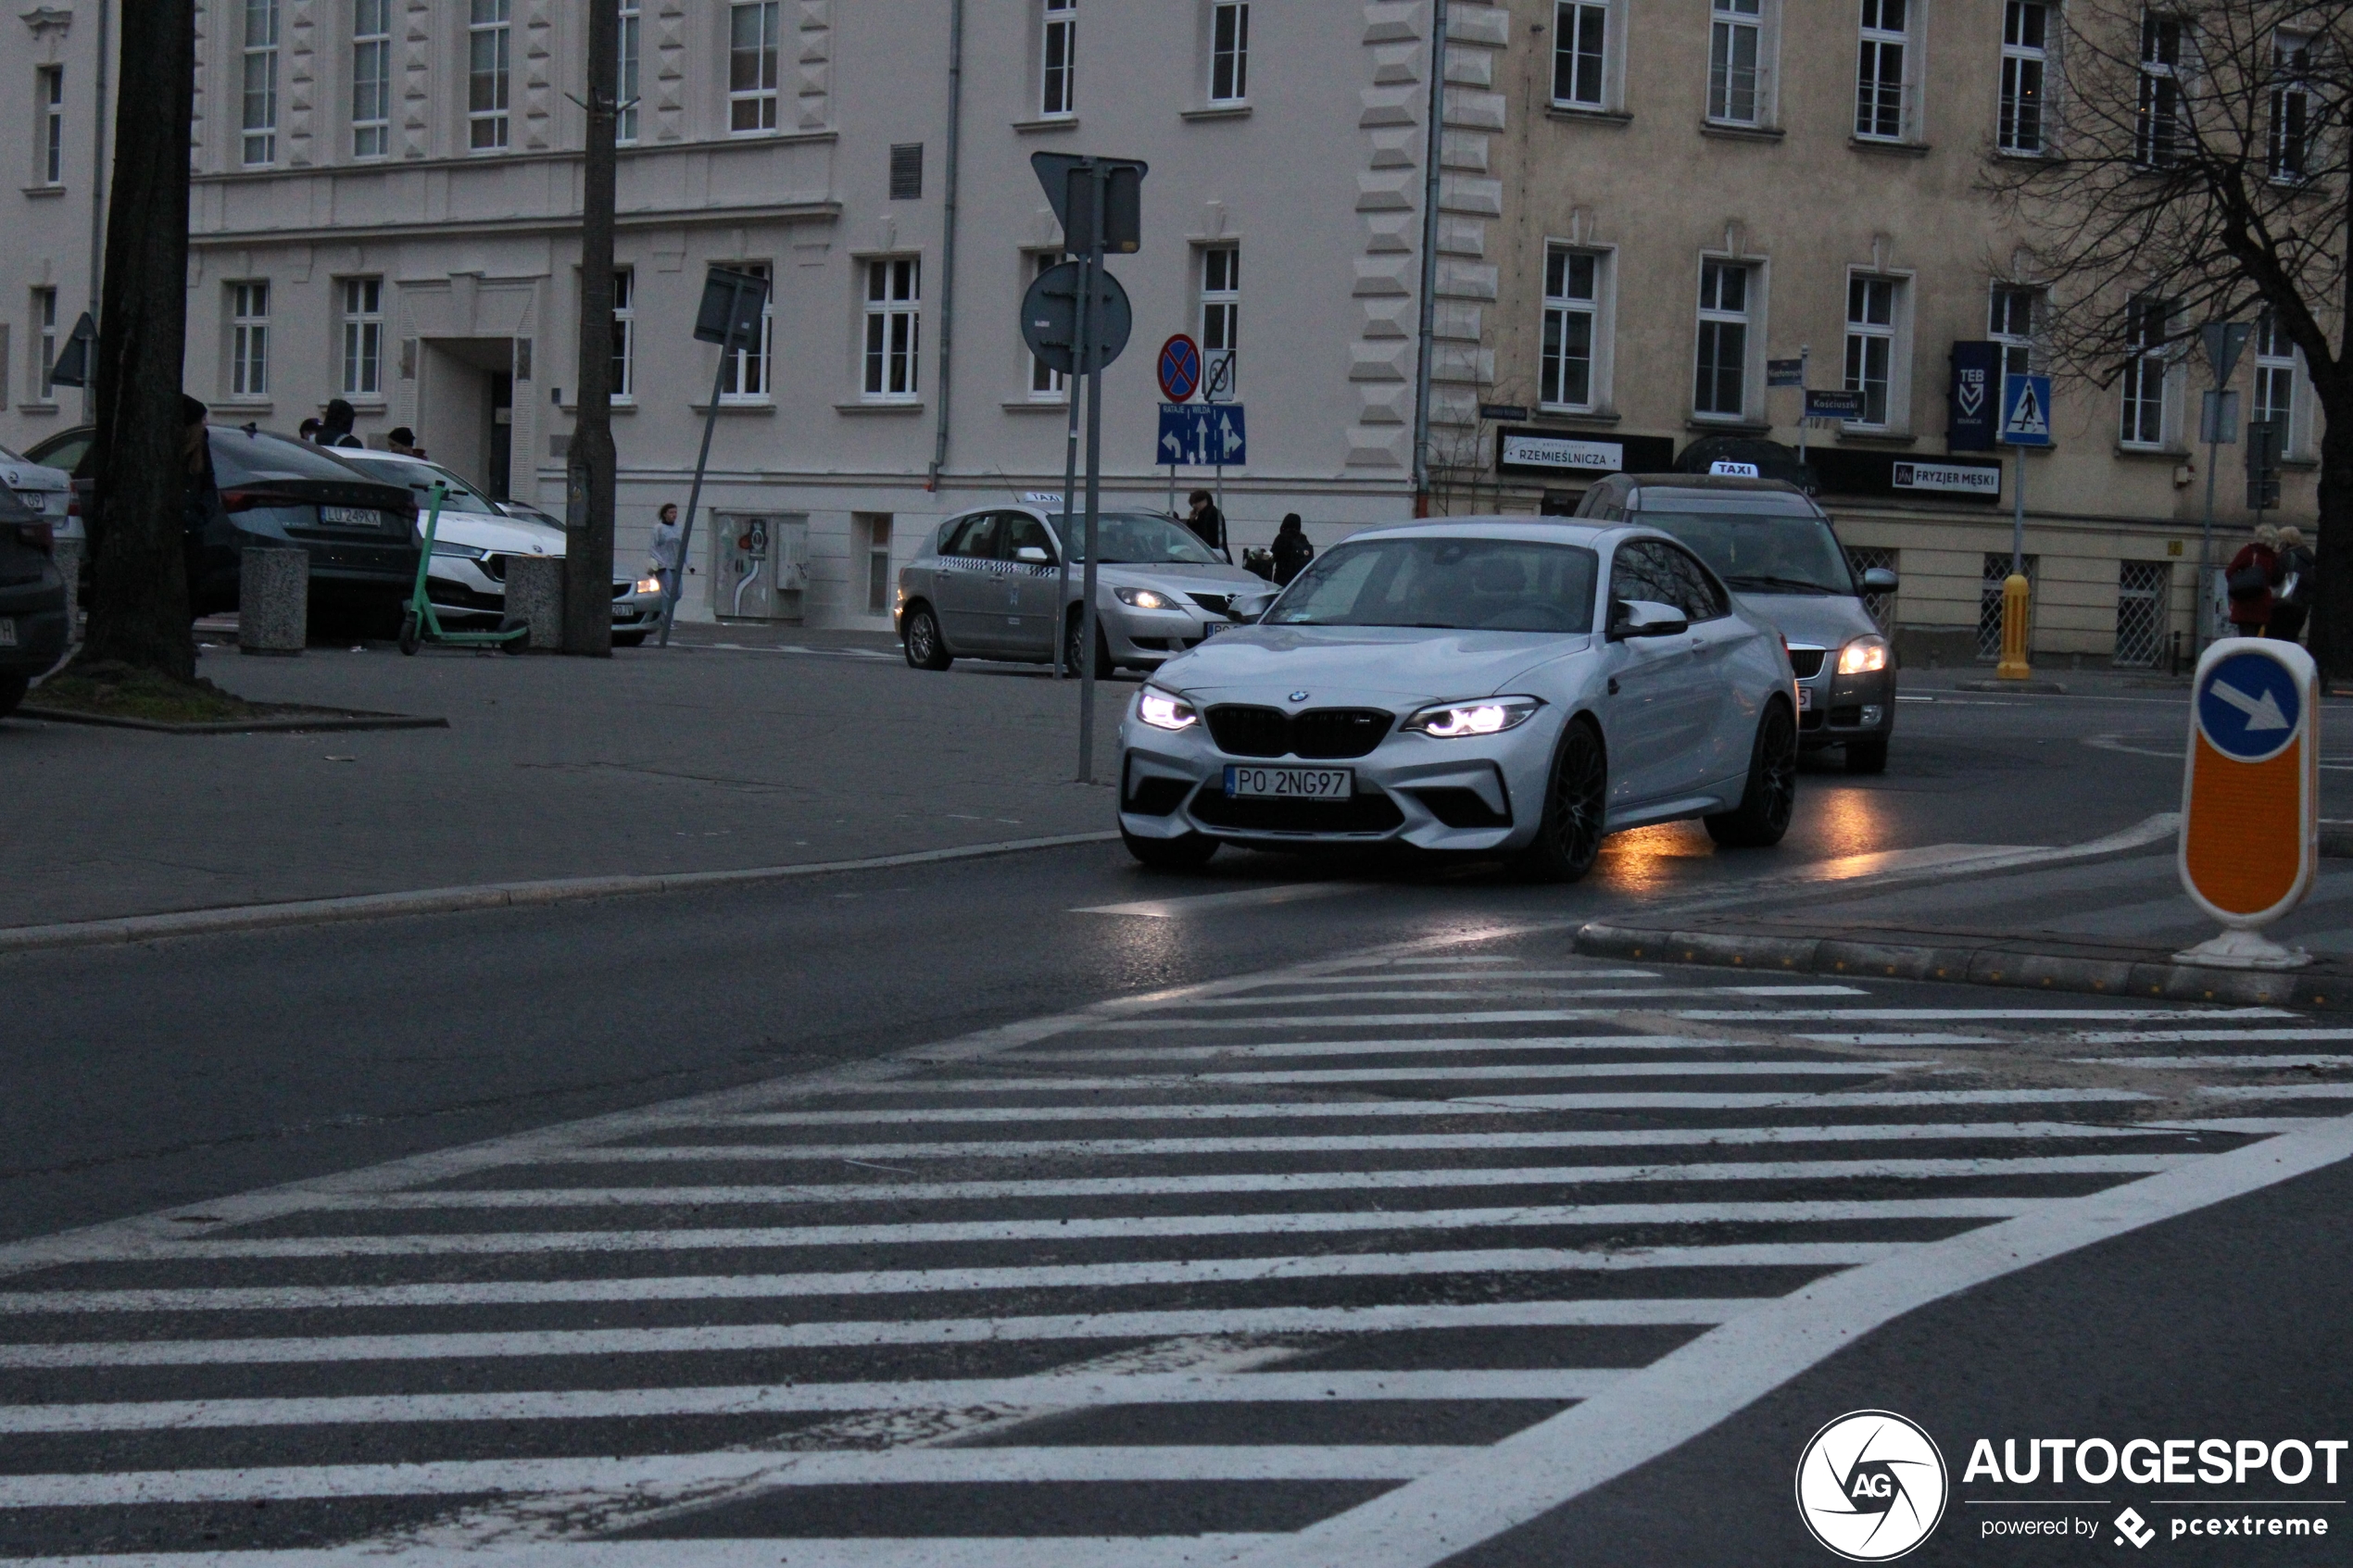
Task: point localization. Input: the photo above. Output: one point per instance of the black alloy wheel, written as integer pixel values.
(1074, 646)
(925, 649)
(1568, 838)
(1771, 800)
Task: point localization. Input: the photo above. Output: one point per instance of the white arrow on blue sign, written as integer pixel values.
(1203, 434)
(2026, 410)
(2248, 707)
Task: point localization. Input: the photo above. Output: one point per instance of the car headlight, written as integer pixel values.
(1862, 655)
(1143, 598)
(443, 547)
(646, 586)
(1165, 710)
(1485, 716)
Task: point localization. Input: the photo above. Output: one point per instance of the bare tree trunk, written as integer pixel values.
(139, 602)
(589, 493)
(2332, 635)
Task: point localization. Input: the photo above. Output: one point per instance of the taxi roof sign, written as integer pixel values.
(2250, 795)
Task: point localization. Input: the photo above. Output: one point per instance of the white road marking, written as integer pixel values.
(1238, 1182)
(2281, 1062)
(1047, 1391)
(1612, 993)
(890, 1282)
(1938, 1015)
(1467, 977)
(2194, 1036)
(2276, 1091)
(834, 1468)
(1452, 1019)
(1210, 903)
(1843, 1096)
(1510, 1071)
(1240, 1051)
(1895, 1040)
(925, 1552)
(825, 1333)
(1127, 1227)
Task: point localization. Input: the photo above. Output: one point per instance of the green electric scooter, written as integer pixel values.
(419, 625)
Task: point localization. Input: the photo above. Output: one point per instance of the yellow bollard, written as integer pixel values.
(2014, 666)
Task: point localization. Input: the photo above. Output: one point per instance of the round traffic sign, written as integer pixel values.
(1050, 318)
(1179, 367)
(2248, 706)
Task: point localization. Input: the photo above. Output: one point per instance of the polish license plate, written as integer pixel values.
(7, 631)
(1805, 698)
(351, 516)
(1289, 784)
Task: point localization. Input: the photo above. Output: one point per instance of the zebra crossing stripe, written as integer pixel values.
(1614, 993)
(1417, 1075)
(931, 1551)
(1240, 1051)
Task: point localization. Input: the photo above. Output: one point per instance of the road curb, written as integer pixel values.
(487, 896)
(290, 724)
(1972, 958)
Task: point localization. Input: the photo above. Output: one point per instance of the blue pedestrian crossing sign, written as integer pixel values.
(2026, 410)
(2248, 706)
(1204, 436)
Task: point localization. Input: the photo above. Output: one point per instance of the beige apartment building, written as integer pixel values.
(1672, 192)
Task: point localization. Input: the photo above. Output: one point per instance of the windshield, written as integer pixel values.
(420, 478)
(1760, 552)
(1140, 539)
(1467, 585)
(240, 457)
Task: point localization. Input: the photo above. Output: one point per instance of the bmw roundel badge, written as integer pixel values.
(1299, 696)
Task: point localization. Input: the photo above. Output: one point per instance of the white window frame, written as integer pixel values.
(371, 78)
(1883, 64)
(754, 96)
(257, 63)
(44, 346)
(624, 335)
(1748, 318)
(626, 72)
(249, 341)
(1046, 383)
(2022, 115)
(1217, 311)
(489, 75)
(1562, 307)
(1729, 23)
(2279, 382)
(2020, 351)
(890, 329)
(2160, 88)
(1890, 338)
(1585, 35)
(2146, 366)
(49, 95)
(2290, 99)
(749, 368)
(1228, 53)
(361, 370)
(1058, 59)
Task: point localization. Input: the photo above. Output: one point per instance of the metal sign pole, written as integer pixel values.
(1070, 489)
(1097, 175)
(694, 495)
(2206, 529)
(2018, 519)
(1805, 354)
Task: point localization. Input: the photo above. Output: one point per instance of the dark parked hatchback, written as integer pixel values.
(33, 601)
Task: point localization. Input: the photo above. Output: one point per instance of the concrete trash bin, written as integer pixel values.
(535, 593)
(274, 601)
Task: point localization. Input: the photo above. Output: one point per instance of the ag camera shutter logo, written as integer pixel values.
(1871, 1486)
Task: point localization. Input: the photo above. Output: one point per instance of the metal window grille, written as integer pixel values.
(1870, 342)
(1989, 604)
(1581, 35)
(1733, 48)
(2025, 60)
(906, 172)
(1864, 558)
(1879, 71)
(2140, 591)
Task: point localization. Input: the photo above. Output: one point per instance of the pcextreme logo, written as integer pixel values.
(1871, 1486)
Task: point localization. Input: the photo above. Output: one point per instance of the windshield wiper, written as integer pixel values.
(1767, 581)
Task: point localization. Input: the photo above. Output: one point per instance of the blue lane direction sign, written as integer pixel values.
(1180, 368)
(2248, 706)
(1202, 435)
(2026, 410)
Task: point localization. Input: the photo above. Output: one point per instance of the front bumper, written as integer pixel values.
(1840, 708)
(1483, 793)
(1154, 636)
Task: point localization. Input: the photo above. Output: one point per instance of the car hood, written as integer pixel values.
(1404, 664)
(1824, 621)
(1181, 578)
(500, 535)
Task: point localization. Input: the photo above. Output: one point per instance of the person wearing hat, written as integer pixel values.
(335, 429)
(403, 440)
(1292, 551)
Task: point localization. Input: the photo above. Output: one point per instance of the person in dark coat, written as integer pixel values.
(2293, 602)
(1207, 522)
(202, 517)
(1292, 552)
(335, 429)
(2251, 577)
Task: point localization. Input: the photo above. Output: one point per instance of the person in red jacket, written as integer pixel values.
(2250, 578)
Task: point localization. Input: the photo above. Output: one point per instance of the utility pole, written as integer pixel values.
(590, 474)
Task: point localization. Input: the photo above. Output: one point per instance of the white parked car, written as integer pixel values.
(476, 539)
(1491, 684)
(47, 493)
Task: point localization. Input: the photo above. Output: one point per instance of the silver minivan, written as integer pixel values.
(1774, 548)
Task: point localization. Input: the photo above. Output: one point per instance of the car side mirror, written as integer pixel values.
(1646, 618)
(1034, 554)
(1878, 580)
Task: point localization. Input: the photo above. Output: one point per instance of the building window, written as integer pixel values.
(371, 78)
(2291, 106)
(906, 171)
(625, 86)
(2009, 321)
(751, 68)
(364, 337)
(49, 92)
(1220, 307)
(45, 344)
(747, 378)
(1058, 73)
(1045, 382)
(261, 65)
(1228, 52)
(894, 321)
(2276, 378)
(2025, 60)
(624, 334)
(248, 340)
(1879, 72)
(2145, 372)
(1564, 379)
(1722, 389)
(1734, 47)
(2157, 122)
(487, 65)
(1870, 342)
(1580, 41)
